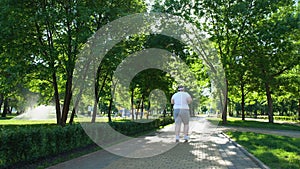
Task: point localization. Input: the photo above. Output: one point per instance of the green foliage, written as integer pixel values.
(29, 143)
(131, 128)
(282, 118)
(40, 42)
(258, 41)
(275, 151)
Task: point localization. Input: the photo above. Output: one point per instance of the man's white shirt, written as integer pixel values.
(181, 100)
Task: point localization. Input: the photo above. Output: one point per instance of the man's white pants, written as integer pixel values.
(181, 116)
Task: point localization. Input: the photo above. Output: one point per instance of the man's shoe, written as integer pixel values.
(186, 139)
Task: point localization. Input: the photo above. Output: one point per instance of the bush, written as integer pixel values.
(27, 143)
(282, 118)
(131, 128)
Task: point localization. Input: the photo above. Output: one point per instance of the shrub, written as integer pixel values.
(27, 143)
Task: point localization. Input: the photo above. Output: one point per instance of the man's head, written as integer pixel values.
(180, 88)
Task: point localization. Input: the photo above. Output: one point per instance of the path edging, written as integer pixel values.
(256, 160)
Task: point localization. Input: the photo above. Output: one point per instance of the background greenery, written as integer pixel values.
(256, 41)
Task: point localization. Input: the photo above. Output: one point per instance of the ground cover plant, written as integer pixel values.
(277, 152)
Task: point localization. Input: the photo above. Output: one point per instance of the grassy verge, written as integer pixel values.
(278, 152)
(235, 122)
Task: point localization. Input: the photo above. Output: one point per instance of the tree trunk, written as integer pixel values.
(192, 110)
(98, 90)
(71, 49)
(132, 111)
(172, 111)
(74, 110)
(109, 109)
(10, 110)
(114, 84)
(142, 108)
(149, 106)
(67, 100)
(94, 114)
(1, 101)
(224, 111)
(5, 108)
(270, 103)
(231, 109)
(72, 115)
(255, 114)
(243, 101)
(56, 97)
(138, 109)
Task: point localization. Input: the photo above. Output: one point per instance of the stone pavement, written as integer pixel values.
(207, 148)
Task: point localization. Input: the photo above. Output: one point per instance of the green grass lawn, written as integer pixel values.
(278, 152)
(237, 122)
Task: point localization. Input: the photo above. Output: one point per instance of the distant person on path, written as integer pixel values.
(181, 101)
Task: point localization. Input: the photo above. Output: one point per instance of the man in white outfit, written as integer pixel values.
(181, 101)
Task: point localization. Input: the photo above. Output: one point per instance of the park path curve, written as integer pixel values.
(207, 148)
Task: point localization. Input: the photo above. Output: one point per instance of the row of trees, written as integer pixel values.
(257, 42)
(40, 42)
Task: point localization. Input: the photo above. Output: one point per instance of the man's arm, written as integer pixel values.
(172, 101)
(189, 99)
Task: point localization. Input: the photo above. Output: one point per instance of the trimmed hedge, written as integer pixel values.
(284, 118)
(27, 143)
(131, 128)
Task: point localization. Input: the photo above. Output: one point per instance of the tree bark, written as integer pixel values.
(132, 111)
(142, 108)
(67, 100)
(71, 49)
(98, 90)
(270, 103)
(255, 114)
(72, 115)
(224, 111)
(5, 108)
(95, 111)
(1, 100)
(243, 101)
(138, 109)
(56, 97)
(109, 109)
(149, 106)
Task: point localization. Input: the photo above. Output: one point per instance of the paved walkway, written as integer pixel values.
(207, 148)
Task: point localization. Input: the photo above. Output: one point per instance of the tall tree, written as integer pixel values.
(272, 50)
(227, 22)
(14, 54)
(54, 32)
